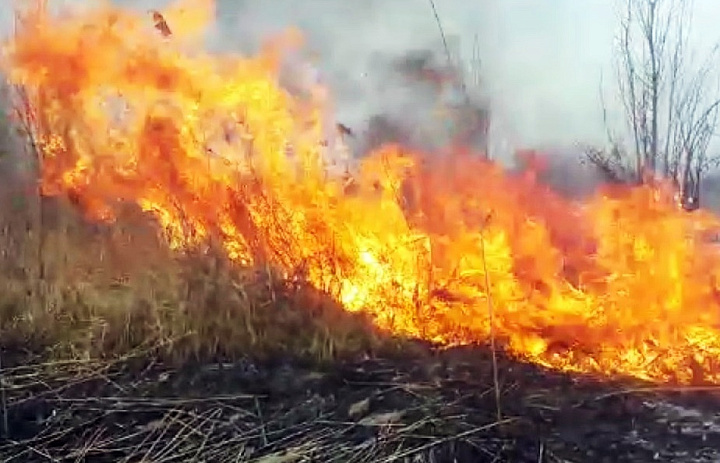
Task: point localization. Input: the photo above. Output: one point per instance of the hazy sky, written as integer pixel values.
(542, 59)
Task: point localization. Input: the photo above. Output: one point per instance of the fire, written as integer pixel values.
(213, 147)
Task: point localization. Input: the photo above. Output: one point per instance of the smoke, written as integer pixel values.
(364, 52)
(359, 49)
(373, 55)
(379, 56)
(542, 88)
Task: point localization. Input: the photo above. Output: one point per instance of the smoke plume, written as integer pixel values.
(384, 61)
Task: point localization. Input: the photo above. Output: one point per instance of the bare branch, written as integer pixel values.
(672, 110)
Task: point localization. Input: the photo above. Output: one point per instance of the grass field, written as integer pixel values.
(124, 341)
(74, 289)
(115, 348)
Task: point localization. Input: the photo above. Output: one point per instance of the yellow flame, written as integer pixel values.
(213, 147)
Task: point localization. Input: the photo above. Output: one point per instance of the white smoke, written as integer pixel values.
(540, 92)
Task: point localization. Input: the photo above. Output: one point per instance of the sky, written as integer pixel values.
(542, 61)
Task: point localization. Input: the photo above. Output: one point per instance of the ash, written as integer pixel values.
(421, 405)
(685, 424)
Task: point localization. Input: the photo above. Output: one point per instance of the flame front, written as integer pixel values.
(214, 148)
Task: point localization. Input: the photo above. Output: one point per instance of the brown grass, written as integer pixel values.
(73, 288)
(70, 288)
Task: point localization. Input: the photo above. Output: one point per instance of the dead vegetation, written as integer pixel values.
(77, 290)
(115, 348)
(421, 406)
(286, 415)
(669, 101)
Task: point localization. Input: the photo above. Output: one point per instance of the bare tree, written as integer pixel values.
(671, 105)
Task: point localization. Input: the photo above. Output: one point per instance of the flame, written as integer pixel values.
(213, 147)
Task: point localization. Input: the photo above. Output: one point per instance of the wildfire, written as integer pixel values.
(213, 147)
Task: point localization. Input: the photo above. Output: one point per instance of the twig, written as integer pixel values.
(187, 429)
(496, 382)
(212, 416)
(643, 390)
(43, 454)
(153, 401)
(491, 317)
(442, 31)
(447, 48)
(262, 422)
(541, 452)
(88, 447)
(169, 419)
(3, 401)
(430, 445)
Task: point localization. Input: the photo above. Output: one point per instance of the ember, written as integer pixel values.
(624, 282)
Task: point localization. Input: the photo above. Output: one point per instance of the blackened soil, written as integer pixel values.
(431, 405)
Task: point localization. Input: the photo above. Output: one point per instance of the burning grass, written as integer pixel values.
(115, 348)
(221, 154)
(186, 218)
(78, 290)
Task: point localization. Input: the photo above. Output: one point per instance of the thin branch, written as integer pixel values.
(671, 112)
(491, 319)
(447, 49)
(3, 401)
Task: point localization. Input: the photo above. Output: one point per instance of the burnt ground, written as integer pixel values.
(426, 406)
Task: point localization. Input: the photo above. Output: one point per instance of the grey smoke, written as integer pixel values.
(357, 45)
(364, 50)
(541, 62)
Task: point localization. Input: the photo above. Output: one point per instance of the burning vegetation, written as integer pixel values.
(190, 208)
(446, 248)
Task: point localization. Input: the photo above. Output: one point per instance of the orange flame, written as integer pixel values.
(213, 147)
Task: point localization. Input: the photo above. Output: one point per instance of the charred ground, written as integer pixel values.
(422, 405)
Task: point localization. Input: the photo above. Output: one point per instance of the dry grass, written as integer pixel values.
(74, 289)
(90, 299)
(83, 301)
